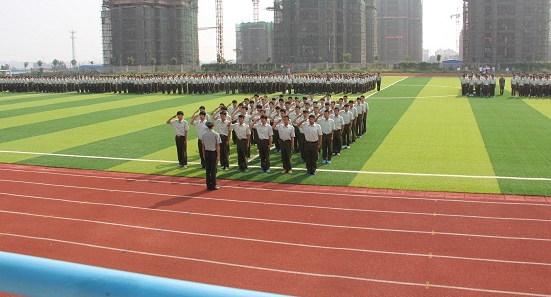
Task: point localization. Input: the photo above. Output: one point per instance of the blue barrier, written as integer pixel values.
(39, 277)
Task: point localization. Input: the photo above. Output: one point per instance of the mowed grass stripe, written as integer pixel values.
(517, 140)
(14, 98)
(541, 105)
(436, 136)
(129, 120)
(84, 117)
(60, 110)
(45, 99)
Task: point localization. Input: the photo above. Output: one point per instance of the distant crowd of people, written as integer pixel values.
(283, 126)
(522, 85)
(196, 84)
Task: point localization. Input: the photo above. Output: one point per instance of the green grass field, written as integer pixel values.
(422, 135)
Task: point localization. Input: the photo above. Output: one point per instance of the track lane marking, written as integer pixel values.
(360, 228)
(272, 203)
(302, 273)
(271, 189)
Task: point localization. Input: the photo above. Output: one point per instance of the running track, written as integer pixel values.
(287, 239)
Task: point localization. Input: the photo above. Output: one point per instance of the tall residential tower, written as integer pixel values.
(150, 31)
(400, 30)
(497, 31)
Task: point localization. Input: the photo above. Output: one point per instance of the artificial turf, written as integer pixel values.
(417, 126)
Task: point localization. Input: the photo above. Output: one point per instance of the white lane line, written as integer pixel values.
(314, 224)
(287, 243)
(264, 203)
(424, 97)
(368, 96)
(301, 169)
(302, 273)
(272, 189)
(312, 246)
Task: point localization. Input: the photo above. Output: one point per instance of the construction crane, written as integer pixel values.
(255, 10)
(219, 32)
(457, 17)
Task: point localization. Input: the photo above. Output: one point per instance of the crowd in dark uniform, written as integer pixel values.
(195, 84)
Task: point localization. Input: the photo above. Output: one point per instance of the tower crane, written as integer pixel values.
(255, 10)
(457, 17)
(219, 32)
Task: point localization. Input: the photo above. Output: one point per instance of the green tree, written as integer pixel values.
(73, 63)
(26, 64)
(40, 63)
(55, 63)
(438, 58)
(130, 61)
(347, 57)
(5, 67)
(152, 61)
(173, 61)
(91, 62)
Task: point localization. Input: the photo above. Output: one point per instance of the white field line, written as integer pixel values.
(301, 169)
(302, 273)
(278, 190)
(387, 87)
(298, 222)
(284, 243)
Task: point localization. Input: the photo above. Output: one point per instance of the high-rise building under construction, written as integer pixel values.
(150, 31)
(254, 42)
(497, 31)
(400, 30)
(317, 31)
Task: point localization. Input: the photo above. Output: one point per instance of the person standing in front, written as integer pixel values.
(243, 134)
(312, 143)
(286, 142)
(222, 125)
(378, 80)
(180, 128)
(211, 151)
(264, 142)
(201, 128)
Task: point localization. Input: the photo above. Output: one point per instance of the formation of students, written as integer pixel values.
(522, 85)
(196, 84)
(282, 126)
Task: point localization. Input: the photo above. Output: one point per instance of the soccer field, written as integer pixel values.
(422, 135)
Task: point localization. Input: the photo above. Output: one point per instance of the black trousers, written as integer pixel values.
(378, 86)
(337, 141)
(326, 147)
(311, 154)
(210, 165)
(200, 146)
(242, 151)
(346, 135)
(276, 140)
(181, 149)
(297, 138)
(301, 142)
(364, 124)
(264, 153)
(224, 151)
(359, 123)
(286, 153)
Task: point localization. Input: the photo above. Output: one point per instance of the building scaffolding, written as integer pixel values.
(506, 31)
(145, 32)
(254, 42)
(400, 30)
(316, 31)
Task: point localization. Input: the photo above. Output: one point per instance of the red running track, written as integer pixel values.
(286, 239)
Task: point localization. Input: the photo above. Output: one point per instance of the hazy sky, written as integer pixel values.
(39, 29)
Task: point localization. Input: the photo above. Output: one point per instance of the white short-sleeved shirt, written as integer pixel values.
(180, 128)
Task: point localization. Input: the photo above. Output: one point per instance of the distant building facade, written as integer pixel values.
(254, 42)
(318, 31)
(400, 30)
(496, 31)
(145, 32)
